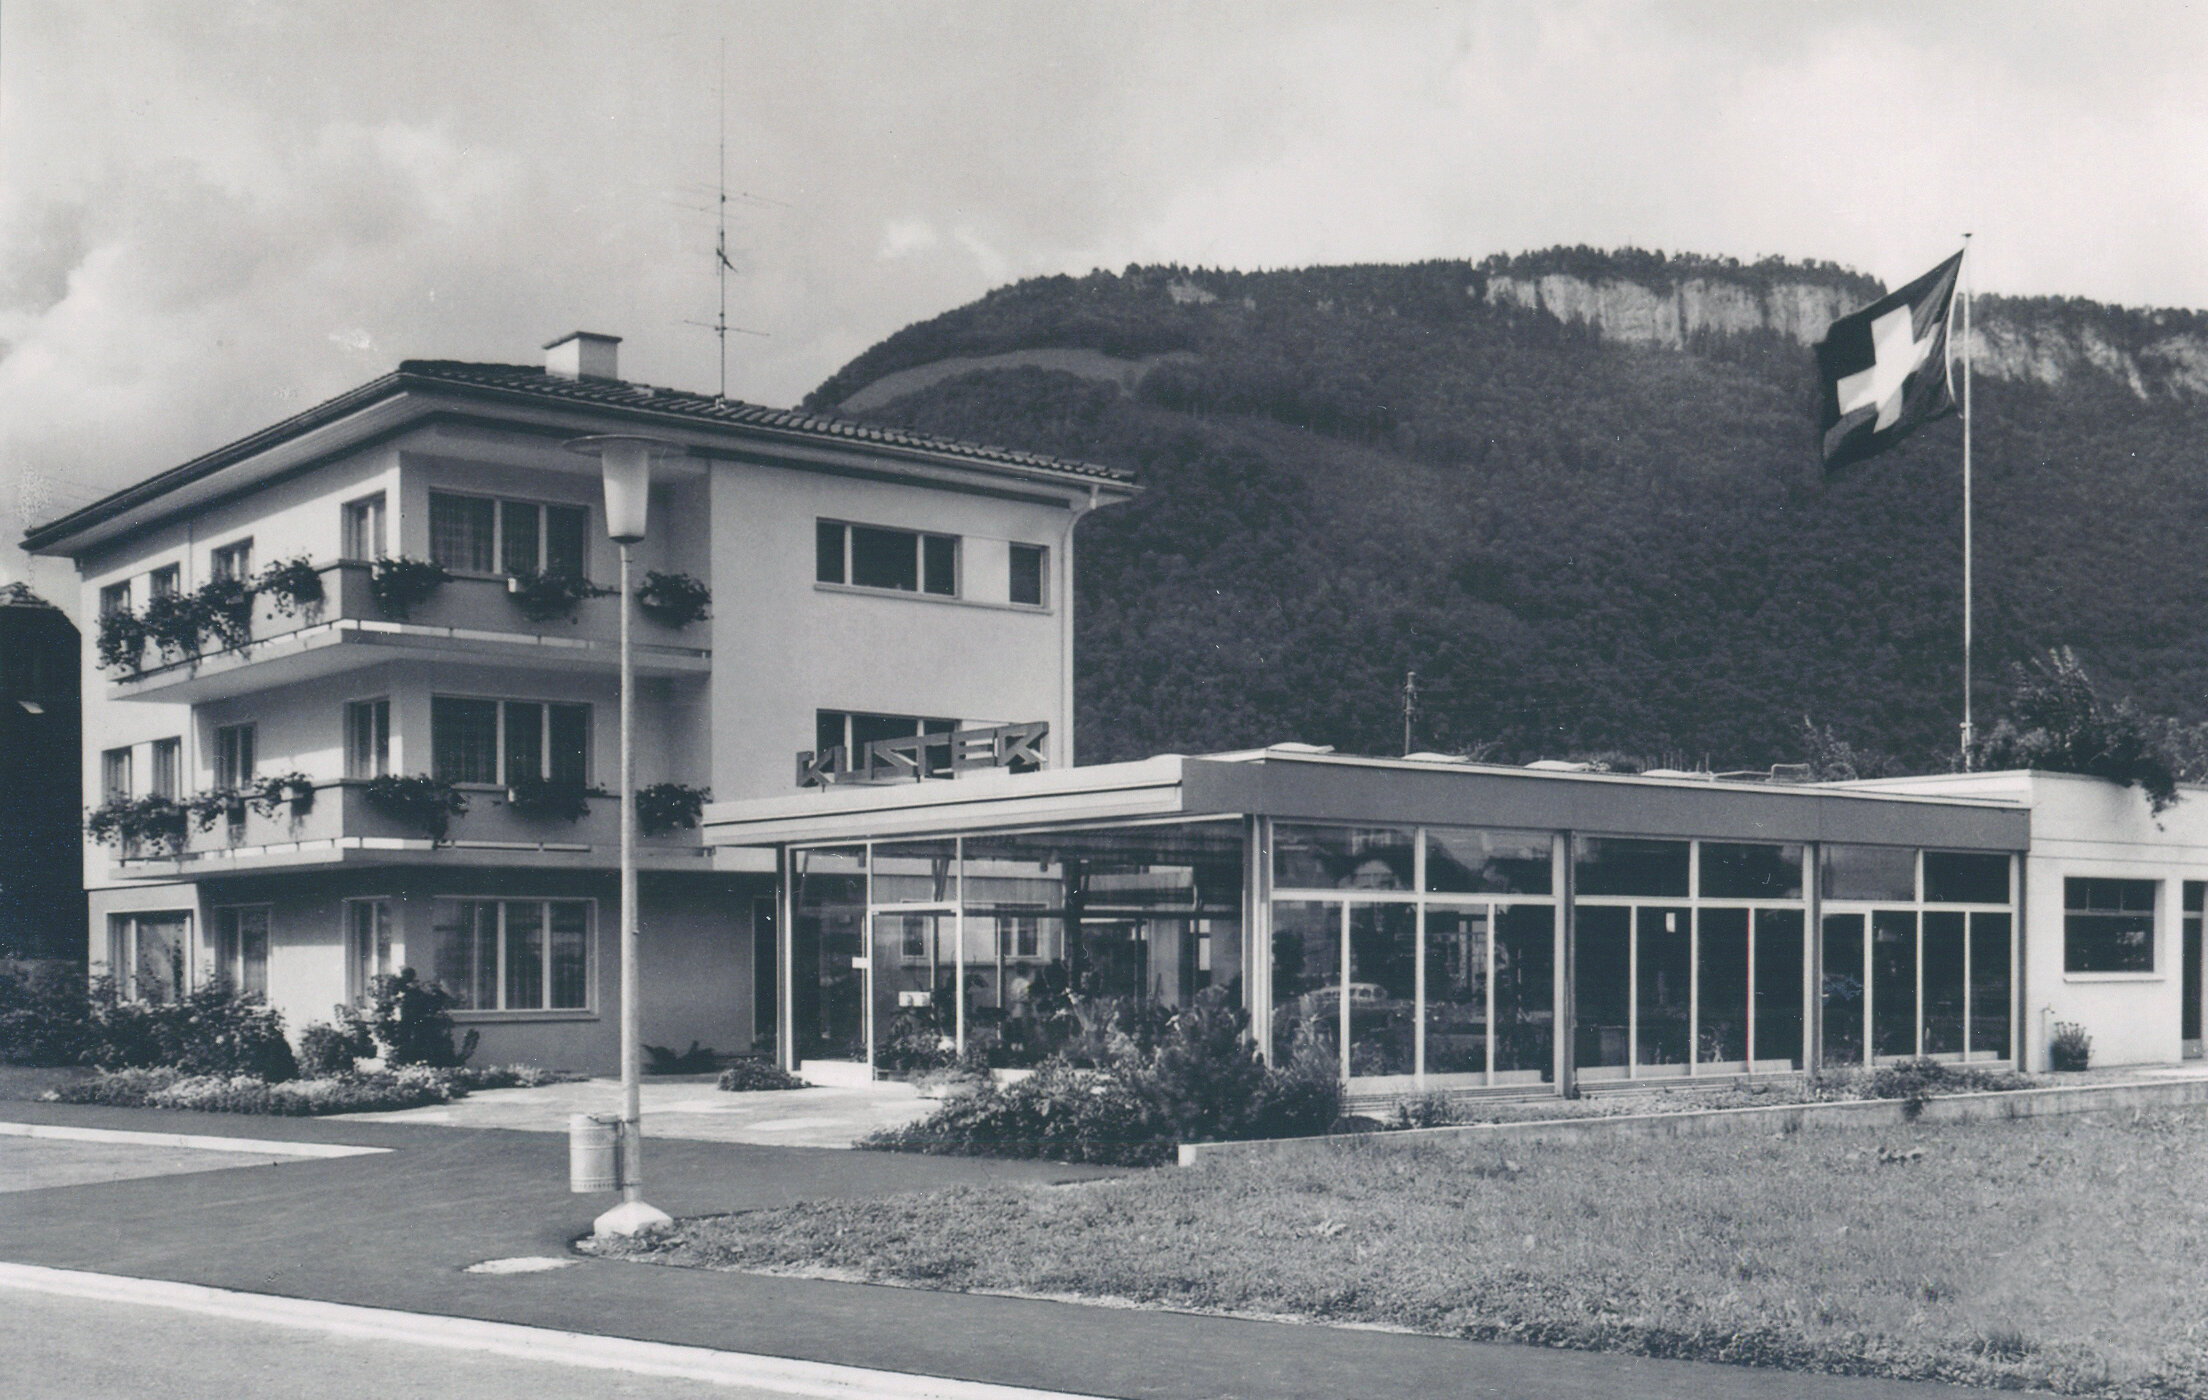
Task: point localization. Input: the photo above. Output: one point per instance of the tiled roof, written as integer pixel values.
(612, 393)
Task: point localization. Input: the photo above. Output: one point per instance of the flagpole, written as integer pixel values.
(1967, 735)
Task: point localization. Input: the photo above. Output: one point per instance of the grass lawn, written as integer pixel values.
(2068, 1254)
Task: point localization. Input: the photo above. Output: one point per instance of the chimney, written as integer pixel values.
(583, 355)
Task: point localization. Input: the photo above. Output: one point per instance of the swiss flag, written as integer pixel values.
(1884, 369)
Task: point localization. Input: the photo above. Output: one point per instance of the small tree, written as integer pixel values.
(412, 1021)
(2058, 723)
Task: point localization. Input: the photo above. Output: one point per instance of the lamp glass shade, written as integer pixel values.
(628, 471)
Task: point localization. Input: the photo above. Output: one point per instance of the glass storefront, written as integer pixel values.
(1911, 975)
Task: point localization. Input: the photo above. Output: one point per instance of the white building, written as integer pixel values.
(865, 583)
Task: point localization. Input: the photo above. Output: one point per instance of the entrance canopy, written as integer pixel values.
(1423, 923)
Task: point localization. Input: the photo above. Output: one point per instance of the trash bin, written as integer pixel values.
(593, 1152)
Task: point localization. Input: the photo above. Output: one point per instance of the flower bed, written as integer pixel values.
(415, 1086)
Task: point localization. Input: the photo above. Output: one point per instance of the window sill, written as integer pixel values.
(494, 1018)
(2115, 977)
(856, 591)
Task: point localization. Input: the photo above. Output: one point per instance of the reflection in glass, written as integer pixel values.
(1525, 989)
(1943, 982)
(524, 955)
(1751, 872)
(1342, 857)
(1666, 972)
(1307, 979)
(1456, 989)
(1869, 872)
(1956, 877)
(1989, 984)
(1843, 989)
(1893, 982)
(1468, 861)
(1613, 866)
(1602, 986)
(1722, 970)
(827, 1001)
(1383, 988)
(1779, 953)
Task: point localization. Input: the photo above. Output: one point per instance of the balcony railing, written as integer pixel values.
(341, 826)
(472, 618)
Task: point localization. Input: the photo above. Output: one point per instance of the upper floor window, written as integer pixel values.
(1027, 574)
(115, 598)
(166, 581)
(870, 556)
(2107, 925)
(364, 528)
(232, 561)
(115, 773)
(234, 758)
(506, 741)
(168, 768)
(368, 739)
(479, 535)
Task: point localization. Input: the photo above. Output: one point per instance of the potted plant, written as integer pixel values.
(123, 641)
(543, 597)
(292, 585)
(421, 802)
(128, 823)
(223, 609)
(172, 624)
(673, 600)
(226, 805)
(399, 584)
(664, 807)
(294, 789)
(541, 799)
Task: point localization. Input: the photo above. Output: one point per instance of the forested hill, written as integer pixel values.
(1578, 493)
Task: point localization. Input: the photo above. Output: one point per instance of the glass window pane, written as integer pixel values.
(1343, 857)
(570, 743)
(563, 541)
(1990, 992)
(1027, 574)
(524, 955)
(2108, 925)
(570, 954)
(364, 529)
(168, 767)
(1307, 975)
(1779, 953)
(1943, 981)
(916, 872)
(368, 739)
(1721, 976)
(827, 993)
(2189, 964)
(1843, 989)
(1751, 872)
(940, 558)
(885, 558)
(460, 532)
(1525, 989)
(1869, 872)
(517, 545)
(827, 552)
(158, 973)
(1952, 877)
(524, 741)
(1609, 865)
(1456, 990)
(1464, 861)
(1666, 971)
(1602, 985)
(252, 964)
(1383, 987)
(1893, 982)
(463, 739)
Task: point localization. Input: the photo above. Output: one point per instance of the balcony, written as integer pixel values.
(342, 828)
(472, 619)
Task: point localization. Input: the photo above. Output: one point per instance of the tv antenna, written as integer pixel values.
(721, 265)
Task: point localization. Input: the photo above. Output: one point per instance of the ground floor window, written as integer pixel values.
(1662, 989)
(1909, 982)
(367, 945)
(2190, 988)
(149, 954)
(2108, 925)
(513, 954)
(241, 947)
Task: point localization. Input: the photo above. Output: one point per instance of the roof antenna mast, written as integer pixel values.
(720, 239)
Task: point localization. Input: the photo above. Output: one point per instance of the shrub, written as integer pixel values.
(123, 641)
(1430, 1110)
(172, 1088)
(399, 584)
(1060, 1112)
(45, 1018)
(673, 600)
(213, 1030)
(272, 792)
(327, 1051)
(543, 597)
(223, 609)
(412, 1021)
(755, 1076)
(132, 823)
(1915, 1081)
(698, 1059)
(2059, 723)
(2071, 1048)
(292, 585)
(664, 807)
(172, 624)
(538, 799)
(423, 803)
(914, 1044)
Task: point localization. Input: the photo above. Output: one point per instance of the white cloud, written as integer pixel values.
(904, 237)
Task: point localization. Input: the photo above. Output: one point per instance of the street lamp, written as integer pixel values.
(627, 464)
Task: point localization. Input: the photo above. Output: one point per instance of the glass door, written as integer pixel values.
(913, 1004)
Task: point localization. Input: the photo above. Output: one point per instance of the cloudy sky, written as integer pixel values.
(214, 214)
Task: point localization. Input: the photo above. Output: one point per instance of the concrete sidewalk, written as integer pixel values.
(687, 1106)
(398, 1230)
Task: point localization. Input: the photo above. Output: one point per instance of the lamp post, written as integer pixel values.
(627, 465)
